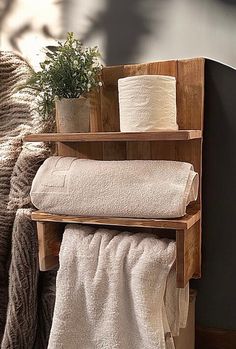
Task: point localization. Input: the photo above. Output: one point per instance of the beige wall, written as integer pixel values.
(126, 30)
(27, 26)
(146, 30)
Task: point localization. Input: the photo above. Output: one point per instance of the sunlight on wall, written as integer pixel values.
(29, 25)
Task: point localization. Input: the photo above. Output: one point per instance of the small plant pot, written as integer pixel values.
(72, 115)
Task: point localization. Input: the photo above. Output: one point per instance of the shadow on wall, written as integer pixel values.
(228, 2)
(21, 18)
(124, 24)
(216, 301)
(5, 8)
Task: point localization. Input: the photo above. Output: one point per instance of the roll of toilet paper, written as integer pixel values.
(147, 103)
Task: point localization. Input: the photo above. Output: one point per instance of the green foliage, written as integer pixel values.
(69, 71)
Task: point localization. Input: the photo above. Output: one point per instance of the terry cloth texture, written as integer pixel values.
(110, 291)
(137, 188)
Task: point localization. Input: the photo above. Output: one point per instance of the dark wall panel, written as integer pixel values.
(216, 301)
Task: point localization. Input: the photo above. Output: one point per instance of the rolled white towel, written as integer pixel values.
(147, 103)
(137, 188)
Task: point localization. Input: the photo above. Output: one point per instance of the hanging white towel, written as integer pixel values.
(137, 188)
(147, 103)
(111, 289)
(176, 303)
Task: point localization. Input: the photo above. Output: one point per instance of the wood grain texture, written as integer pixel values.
(95, 112)
(114, 151)
(138, 150)
(212, 338)
(110, 112)
(110, 75)
(179, 223)
(49, 237)
(188, 259)
(183, 145)
(190, 93)
(91, 150)
(180, 135)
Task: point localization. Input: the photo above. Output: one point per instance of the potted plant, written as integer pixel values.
(69, 72)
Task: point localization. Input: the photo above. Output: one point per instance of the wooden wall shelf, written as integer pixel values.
(105, 142)
(185, 222)
(180, 135)
(188, 253)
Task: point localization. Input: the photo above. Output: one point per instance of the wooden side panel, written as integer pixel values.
(188, 259)
(191, 152)
(190, 93)
(49, 237)
(190, 102)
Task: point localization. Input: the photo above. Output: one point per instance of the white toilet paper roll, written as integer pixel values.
(147, 103)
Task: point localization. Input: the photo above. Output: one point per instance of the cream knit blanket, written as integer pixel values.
(18, 245)
(17, 118)
(137, 188)
(111, 291)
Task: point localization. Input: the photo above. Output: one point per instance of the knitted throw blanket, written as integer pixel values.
(18, 166)
(15, 117)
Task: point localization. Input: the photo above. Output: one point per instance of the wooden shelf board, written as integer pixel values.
(115, 136)
(183, 223)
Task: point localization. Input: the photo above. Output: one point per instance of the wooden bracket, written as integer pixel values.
(49, 237)
(188, 246)
(188, 249)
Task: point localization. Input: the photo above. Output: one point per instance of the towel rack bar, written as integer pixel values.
(188, 249)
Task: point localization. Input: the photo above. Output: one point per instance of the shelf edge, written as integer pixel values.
(183, 135)
(178, 224)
